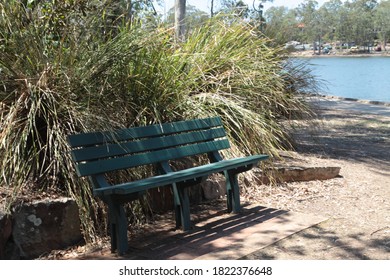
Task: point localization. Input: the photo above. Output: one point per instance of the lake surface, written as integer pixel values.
(365, 78)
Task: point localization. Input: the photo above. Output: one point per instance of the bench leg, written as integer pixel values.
(118, 226)
(113, 236)
(233, 192)
(182, 207)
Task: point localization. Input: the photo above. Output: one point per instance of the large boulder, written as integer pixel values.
(42, 226)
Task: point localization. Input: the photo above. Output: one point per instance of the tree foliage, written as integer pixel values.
(354, 21)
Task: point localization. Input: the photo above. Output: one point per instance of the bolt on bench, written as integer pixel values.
(97, 154)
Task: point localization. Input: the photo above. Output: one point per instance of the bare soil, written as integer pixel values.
(357, 203)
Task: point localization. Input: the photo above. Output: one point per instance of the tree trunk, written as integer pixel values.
(129, 10)
(180, 11)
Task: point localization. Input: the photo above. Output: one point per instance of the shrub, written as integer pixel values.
(66, 74)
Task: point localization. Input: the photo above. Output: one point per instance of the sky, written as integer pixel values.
(204, 5)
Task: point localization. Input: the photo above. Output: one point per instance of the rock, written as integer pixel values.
(46, 225)
(214, 187)
(297, 173)
(301, 173)
(5, 233)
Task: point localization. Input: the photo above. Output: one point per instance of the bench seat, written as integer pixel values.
(235, 165)
(98, 154)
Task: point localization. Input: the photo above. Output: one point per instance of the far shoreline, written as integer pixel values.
(310, 54)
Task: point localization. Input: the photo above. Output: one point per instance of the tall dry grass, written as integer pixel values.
(73, 74)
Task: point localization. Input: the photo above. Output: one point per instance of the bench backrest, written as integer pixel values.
(101, 152)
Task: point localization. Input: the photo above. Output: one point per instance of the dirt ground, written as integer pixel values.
(357, 203)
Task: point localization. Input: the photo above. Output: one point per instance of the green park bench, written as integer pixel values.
(99, 153)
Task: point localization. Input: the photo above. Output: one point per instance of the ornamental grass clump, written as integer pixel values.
(69, 73)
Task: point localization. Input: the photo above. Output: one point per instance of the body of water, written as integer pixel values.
(365, 78)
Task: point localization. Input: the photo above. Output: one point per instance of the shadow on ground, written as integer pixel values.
(355, 246)
(362, 138)
(216, 234)
(359, 229)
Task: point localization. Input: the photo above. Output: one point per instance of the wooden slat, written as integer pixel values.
(98, 138)
(112, 164)
(149, 144)
(182, 175)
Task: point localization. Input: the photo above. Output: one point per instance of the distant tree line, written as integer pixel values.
(360, 22)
